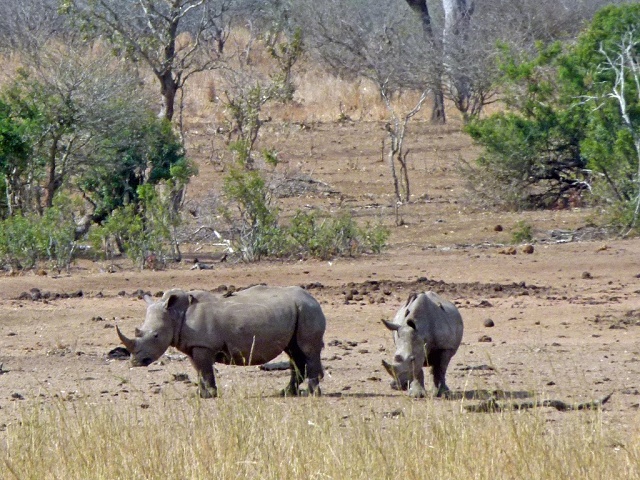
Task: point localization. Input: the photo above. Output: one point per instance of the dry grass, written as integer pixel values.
(240, 437)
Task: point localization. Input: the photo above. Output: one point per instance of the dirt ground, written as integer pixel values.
(567, 316)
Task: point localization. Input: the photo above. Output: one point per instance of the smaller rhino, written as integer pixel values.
(427, 331)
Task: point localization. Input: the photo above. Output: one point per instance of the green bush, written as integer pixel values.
(330, 237)
(522, 232)
(141, 231)
(26, 240)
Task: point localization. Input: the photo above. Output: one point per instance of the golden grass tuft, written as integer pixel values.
(273, 438)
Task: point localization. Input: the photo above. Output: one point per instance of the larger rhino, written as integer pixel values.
(249, 327)
(427, 331)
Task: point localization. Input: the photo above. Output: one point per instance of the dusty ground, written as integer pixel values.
(567, 316)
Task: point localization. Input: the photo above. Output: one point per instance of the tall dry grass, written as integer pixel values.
(308, 438)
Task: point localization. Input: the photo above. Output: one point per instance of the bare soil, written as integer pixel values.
(566, 316)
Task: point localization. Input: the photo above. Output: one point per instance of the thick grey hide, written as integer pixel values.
(249, 327)
(427, 331)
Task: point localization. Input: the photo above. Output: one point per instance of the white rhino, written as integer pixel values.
(427, 332)
(249, 327)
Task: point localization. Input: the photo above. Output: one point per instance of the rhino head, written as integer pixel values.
(163, 320)
(409, 357)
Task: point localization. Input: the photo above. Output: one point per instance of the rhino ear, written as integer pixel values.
(171, 301)
(192, 299)
(139, 333)
(391, 326)
(411, 324)
(149, 300)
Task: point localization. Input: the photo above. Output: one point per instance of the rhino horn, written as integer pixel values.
(128, 343)
(390, 325)
(389, 368)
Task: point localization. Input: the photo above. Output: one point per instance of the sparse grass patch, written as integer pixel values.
(239, 437)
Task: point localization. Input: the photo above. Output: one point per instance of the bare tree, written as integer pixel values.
(434, 43)
(380, 41)
(26, 24)
(173, 37)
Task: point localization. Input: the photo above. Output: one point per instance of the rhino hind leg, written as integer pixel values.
(298, 363)
(439, 362)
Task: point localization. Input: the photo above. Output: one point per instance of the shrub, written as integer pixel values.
(143, 230)
(330, 237)
(28, 239)
(522, 232)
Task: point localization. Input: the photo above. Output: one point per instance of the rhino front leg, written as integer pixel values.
(416, 387)
(202, 359)
(440, 363)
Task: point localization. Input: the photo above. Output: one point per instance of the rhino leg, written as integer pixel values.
(314, 374)
(416, 387)
(439, 361)
(202, 359)
(298, 369)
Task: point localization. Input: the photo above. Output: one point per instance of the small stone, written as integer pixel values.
(586, 275)
(489, 323)
(498, 228)
(528, 249)
(485, 338)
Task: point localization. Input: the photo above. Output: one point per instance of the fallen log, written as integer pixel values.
(492, 405)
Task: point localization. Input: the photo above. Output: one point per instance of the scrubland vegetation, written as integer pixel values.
(549, 92)
(239, 437)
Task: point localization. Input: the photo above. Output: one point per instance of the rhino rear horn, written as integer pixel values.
(127, 342)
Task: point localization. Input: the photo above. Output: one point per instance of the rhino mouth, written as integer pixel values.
(145, 362)
(399, 382)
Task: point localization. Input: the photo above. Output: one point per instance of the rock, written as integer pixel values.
(508, 251)
(119, 353)
(586, 275)
(489, 323)
(498, 228)
(528, 249)
(485, 338)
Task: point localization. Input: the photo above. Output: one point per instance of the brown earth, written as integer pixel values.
(567, 315)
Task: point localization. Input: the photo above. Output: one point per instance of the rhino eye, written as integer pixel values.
(155, 336)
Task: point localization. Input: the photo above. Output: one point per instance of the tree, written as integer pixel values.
(604, 71)
(76, 120)
(172, 37)
(379, 41)
(67, 101)
(573, 122)
(26, 25)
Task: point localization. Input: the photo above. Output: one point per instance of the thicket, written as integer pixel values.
(571, 129)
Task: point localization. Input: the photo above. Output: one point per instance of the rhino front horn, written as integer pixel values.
(388, 367)
(128, 343)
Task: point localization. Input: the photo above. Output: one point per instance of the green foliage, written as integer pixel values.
(248, 195)
(28, 239)
(522, 232)
(334, 237)
(572, 124)
(144, 151)
(286, 53)
(143, 230)
(532, 151)
(257, 232)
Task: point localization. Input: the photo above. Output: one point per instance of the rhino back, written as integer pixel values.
(251, 326)
(438, 321)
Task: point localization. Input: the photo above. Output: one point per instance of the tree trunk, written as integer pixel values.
(168, 90)
(421, 8)
(457, 14)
